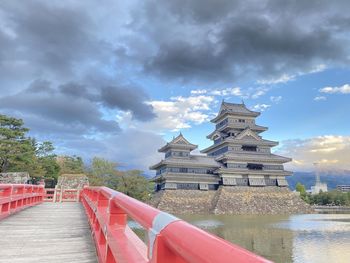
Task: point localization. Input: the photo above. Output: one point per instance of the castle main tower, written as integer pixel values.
(245, 157)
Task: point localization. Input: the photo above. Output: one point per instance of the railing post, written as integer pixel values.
(117, 216)
(61, 194)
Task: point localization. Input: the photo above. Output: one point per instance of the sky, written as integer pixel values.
(117, 79)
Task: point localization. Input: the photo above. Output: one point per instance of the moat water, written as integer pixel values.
(298, 238)
(321, 238)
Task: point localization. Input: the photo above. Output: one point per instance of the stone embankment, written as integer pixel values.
(183, 201)
(14, 178)
(231, 200)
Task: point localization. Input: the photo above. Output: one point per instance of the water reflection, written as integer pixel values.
(301, 238)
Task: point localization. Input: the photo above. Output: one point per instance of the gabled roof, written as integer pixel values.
(178, 142)
(248, 134)
(236, 109)
(214, 133)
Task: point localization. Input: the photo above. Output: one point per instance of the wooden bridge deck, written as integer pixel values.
(49, 232)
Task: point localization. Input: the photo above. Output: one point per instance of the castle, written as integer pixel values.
(239, 156)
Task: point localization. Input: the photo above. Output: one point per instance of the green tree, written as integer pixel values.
(47, 159)
(330, 198)
(301, 189)
(17, 151)
(104, 173)
(100, 166)
(70, 164)
(135, 185)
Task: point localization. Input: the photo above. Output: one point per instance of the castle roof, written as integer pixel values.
(228, 108)
(193, 161)
(253, 156)
(179, 143)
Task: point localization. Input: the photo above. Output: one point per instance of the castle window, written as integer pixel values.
(241, 120)
(220, 151)
(254, 166)
(249, 148)
(222, 123)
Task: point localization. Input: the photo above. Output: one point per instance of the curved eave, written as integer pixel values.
(255, 172)
(239, 142)
(168, 146)
(242, 126)
(157, 178)
(256, 157)
(222, 115)
(208, 149)
(157, 165)
(180, 164)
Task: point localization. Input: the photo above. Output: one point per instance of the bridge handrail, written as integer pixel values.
(15, 197)
(170, 239)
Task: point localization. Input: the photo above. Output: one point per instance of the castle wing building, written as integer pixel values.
(239, 156)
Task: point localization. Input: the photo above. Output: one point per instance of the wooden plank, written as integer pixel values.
(49, 232)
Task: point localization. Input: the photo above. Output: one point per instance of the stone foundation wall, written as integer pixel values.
(14, 178)
(260, 200)
(183, 201)
(72, 181)
(231, 200)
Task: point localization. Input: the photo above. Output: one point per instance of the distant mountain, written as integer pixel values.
(308, 179)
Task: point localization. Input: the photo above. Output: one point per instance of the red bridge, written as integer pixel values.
(62, 232)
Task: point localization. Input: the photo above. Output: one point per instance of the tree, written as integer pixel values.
(100, 166)
(47, 159)
(17, 152)
(301, 189)
(135, 185)
(70, 164)
(44, 149)
(104, 173)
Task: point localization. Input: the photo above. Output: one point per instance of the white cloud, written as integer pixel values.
(172, 115)
(331, 152)
(319, 98)
(199, 91)
(261, 107)
(284, 78)
(235, 91)
(281, 79)
(276, 99)
(345, 89)
(318, 68)
(259, 92)
(253, 93)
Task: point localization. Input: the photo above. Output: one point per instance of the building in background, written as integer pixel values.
(239, 156)
(344, 188)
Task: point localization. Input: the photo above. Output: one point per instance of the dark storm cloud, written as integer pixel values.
(232, 39)
(78, 115)
(49, 35)
(74, 90)
(113, 97)
(127, 99)
(73, 108)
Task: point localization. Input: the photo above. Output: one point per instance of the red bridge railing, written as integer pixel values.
(170, 240)
(15, 197)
